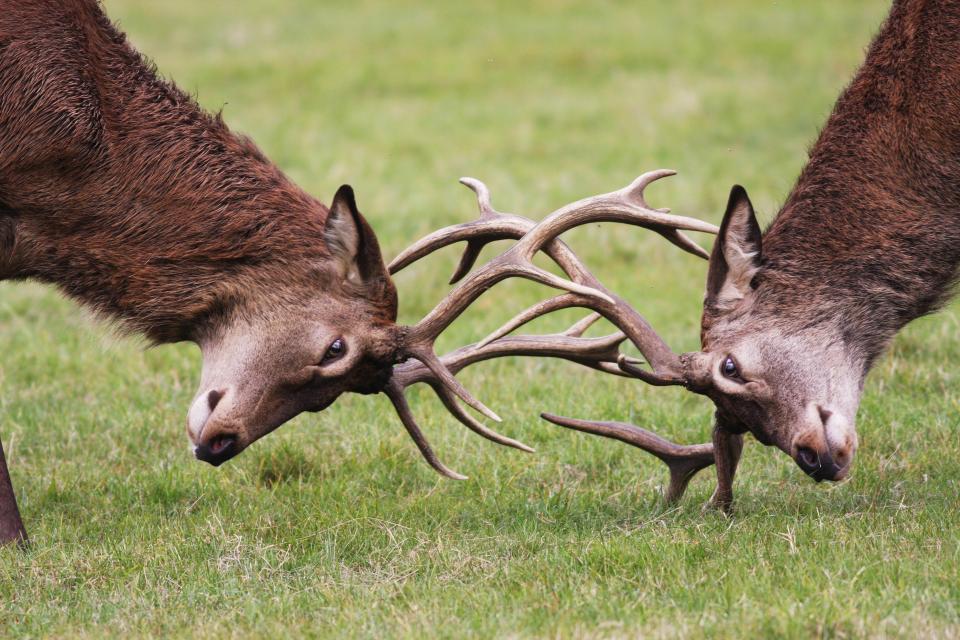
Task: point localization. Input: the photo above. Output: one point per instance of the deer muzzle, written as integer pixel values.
(214, 445)
(825, 452)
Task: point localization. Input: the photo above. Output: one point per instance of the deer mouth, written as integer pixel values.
(218, 450)
(820, 465)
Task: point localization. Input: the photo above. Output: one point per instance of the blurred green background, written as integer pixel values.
(333, 526)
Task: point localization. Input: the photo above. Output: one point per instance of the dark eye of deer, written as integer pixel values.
(334, 351)
(729, 368)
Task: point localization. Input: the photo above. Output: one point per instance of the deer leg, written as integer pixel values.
(11, 526)
(727, 447)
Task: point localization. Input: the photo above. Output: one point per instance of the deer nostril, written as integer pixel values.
(220, 444)
(808, 458)
(214, 398)
(218, 450)
(824, 414)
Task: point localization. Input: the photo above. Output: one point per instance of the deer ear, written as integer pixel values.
(342, 233)
(736, 254)
(351, 241)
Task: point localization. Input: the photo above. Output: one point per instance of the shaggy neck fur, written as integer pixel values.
(869, 239)
(116, 187)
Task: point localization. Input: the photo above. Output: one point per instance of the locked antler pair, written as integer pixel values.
(581, 289)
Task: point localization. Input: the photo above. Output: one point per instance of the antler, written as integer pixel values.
(684, 461)
(598, 353)
(582, 290)
(625, 205)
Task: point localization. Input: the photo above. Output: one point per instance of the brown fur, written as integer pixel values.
(879, 201)
(119, 189)
(868, 240)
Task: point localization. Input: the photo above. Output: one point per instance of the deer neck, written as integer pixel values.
(869, 239)
(142, 206)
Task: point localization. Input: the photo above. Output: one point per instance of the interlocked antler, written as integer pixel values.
(582, 290)
(598, 353)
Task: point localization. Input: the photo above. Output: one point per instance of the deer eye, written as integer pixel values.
(729, 368)
(336, 349)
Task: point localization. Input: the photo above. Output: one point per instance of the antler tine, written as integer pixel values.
(478, 233)
(682, 240)
(399, 401)
(564, 301)
(598, 353)
(644, 180)
(475, 246)
(612, 369)
(450, 402)
(683, 461)
(579, 328)
(467, 260)
(446, 377)
(480, 188)
(625, 205)
(490, 226)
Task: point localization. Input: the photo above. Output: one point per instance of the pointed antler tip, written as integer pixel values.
(477, 186)
(450, 402)
(636, 188)
(580, 327)
(656, 174)
(483, 194)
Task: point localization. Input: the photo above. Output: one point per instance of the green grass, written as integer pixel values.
(333, 526)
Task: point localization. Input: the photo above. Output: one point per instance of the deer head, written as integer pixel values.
(302, 345)
(790, 381)
(330, 328)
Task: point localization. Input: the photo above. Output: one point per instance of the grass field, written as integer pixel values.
(333, 526)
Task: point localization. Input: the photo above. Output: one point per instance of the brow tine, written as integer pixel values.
(683, 461)
(450, 402)
(409, 422)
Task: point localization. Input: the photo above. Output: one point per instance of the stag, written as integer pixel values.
(118, 189)
(794, 318)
